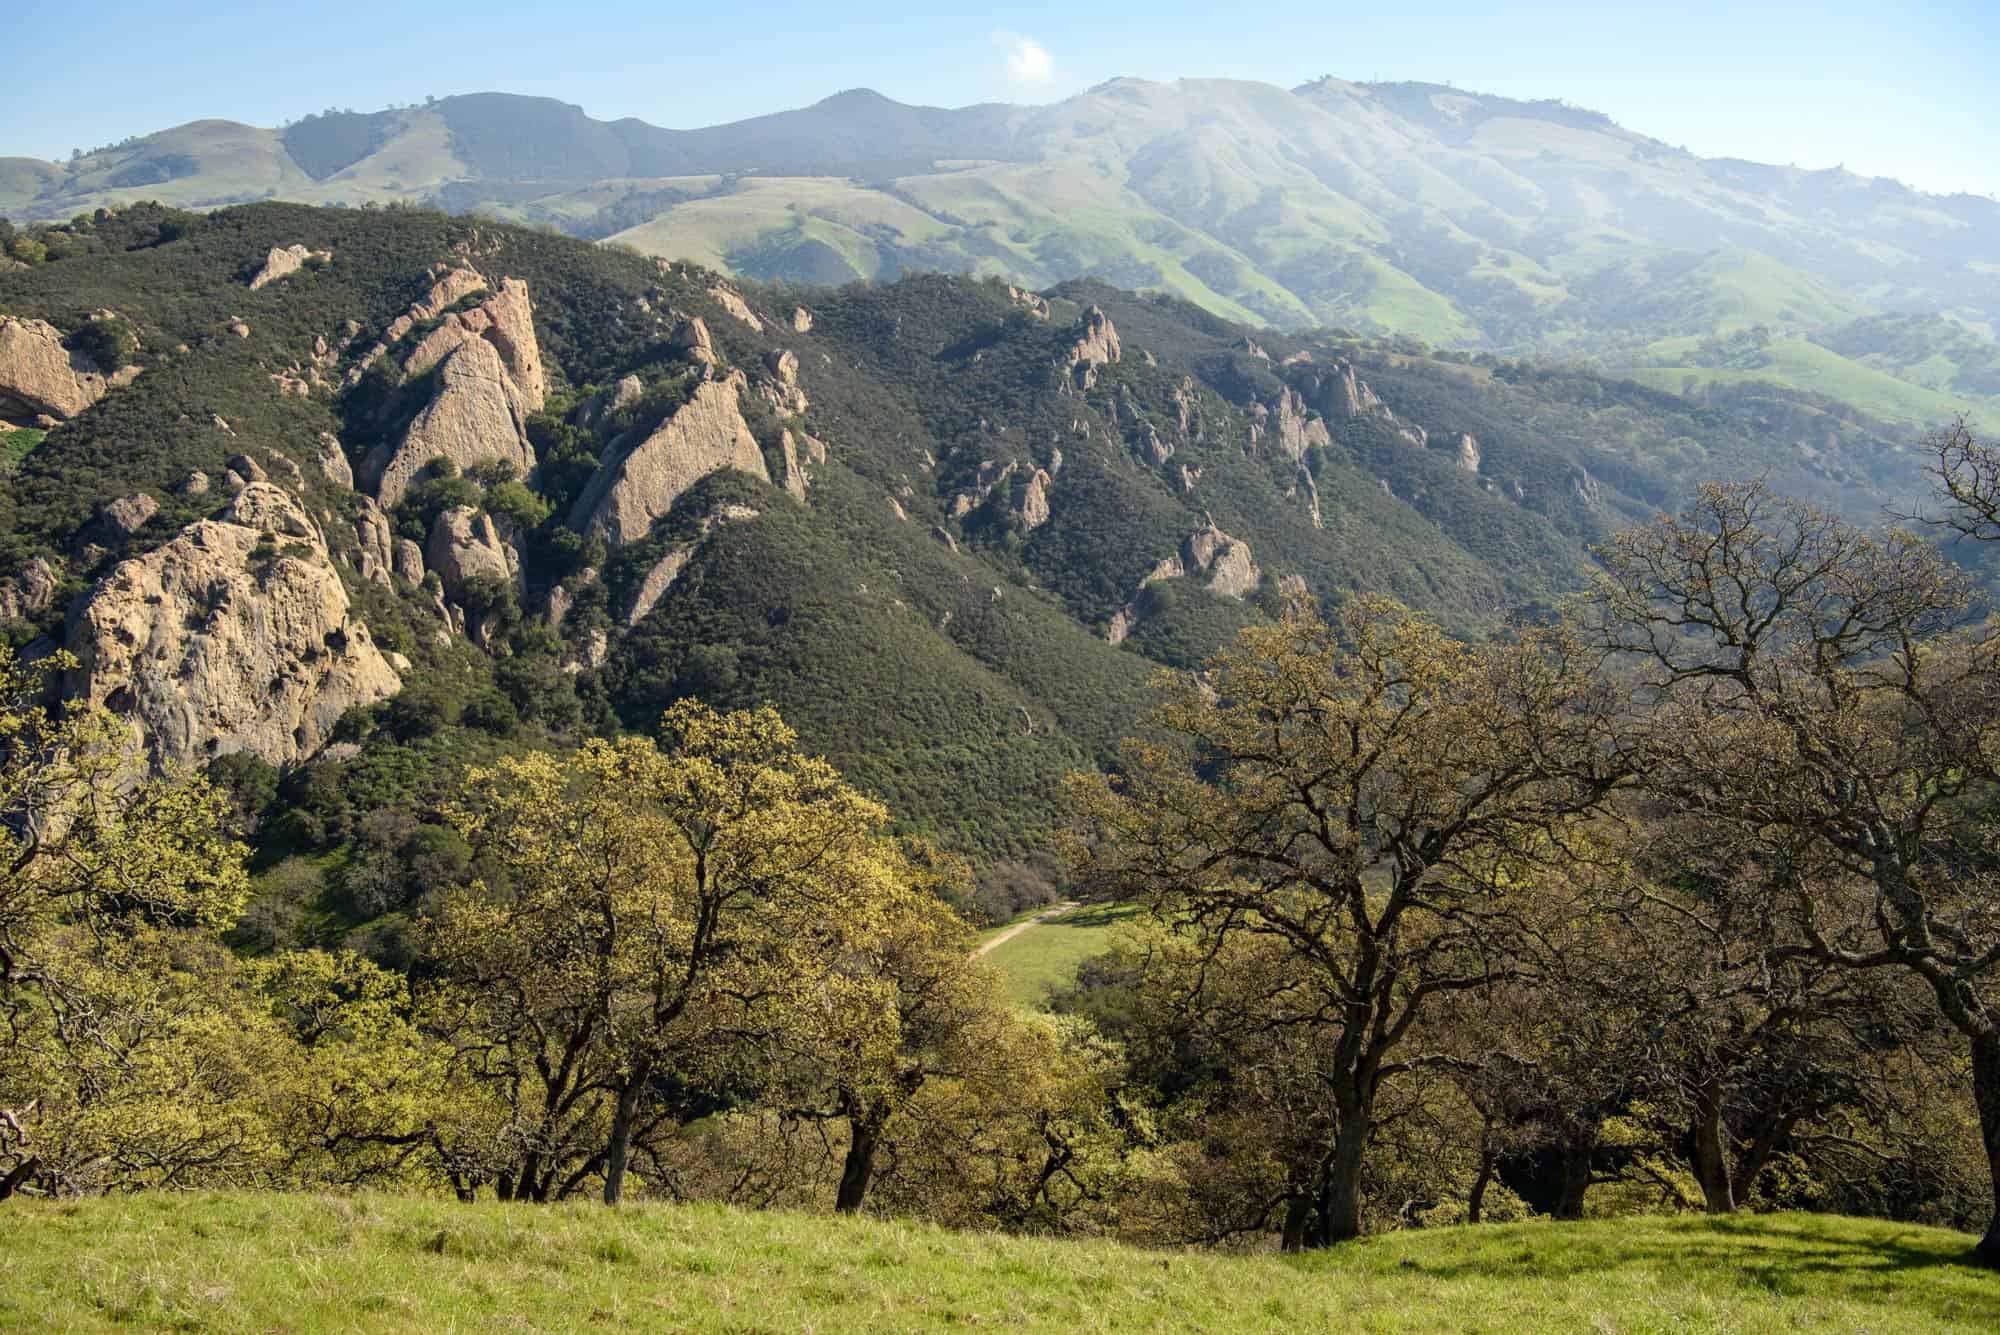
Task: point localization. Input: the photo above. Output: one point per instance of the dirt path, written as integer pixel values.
(1020, 927)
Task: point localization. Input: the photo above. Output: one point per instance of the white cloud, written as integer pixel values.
(1028, 61)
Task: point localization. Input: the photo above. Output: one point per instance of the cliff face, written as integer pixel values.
(39, 376)
(636, 486)
(236, 636)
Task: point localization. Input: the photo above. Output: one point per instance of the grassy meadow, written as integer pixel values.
(1047, 955)
(300, 1263)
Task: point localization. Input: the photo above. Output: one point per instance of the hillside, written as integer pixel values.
(248, 1261)
(1455, 217)
(443, 489)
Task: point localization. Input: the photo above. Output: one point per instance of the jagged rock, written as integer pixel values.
(29, 591)
(1298, 432)
(654, 587)
(1096, 345)
(234, 480)
(815, 448)
(128, 514)
(1187, 407)
(785, 396)
(559, 602)
(234, 637)
(333, 461)
(1029, 302)
(896, 509)
(598, 409)
(377, 543)
(1189, 476)
(1293, 588)
(447, 289)
(1414, 435)
(732, 301)
(1033, 502)
(506, 321)
(246, 468)
(593, 654)
(1055, 462)
(631, 490)
(691, 340)
(475, 414)
(39, 377)
(1310, 486)
(802, 320)
(1468, 452)
(465, 545)
(221, 423)
(1155, 448)
(795, 476)
(943, 536)
(1248, 347)
(1584, 485)
(284, 261)
(194, 484)
(1147, 356)
(408, 560)
(1207, 551)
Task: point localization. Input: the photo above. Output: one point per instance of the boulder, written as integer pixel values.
(407, 559)
(464, 545)
(782, 391)
(1032, 502)
(1298, 430)
(475, 414)
(333, 461)
(796, 480)
(377, 543)
(246, 468)
(635, 486)
(599, 407)
(29, 590)
(1096, 345)
(732, 301)
(1467, 455)
(126, 515)
(802, 320)
(40, 377)
(194, 484)
(233, 637)
(691, 340)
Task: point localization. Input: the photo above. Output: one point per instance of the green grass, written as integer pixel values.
(1047, 955)
(1800, 364)
(302, 1263)
(18, 443)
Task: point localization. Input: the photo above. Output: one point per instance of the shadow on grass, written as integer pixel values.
(1098, 915)
(1786, 1256)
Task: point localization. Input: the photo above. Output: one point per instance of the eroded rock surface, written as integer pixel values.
(233, 637)
(635, 486)
(41, 377)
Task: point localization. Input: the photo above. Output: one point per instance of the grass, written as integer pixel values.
(299, 1263)
(1800, 364)
(17, 444)
(1047, 955)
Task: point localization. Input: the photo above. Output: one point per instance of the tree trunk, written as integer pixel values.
(1986, 1093)
(12, 1183)
(1340, 1197)
(859, 1166)
(1711, 1153)
(618, 1152)
(1475, 1201)
(1575, 1168)
(1298, 1219)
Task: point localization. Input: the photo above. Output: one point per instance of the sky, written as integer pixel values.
(1900, 90)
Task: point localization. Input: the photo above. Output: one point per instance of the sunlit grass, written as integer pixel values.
(1047, 955)
(376, 1263)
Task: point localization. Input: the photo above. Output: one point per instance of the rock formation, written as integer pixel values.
(599, 408)
(635, 486)
(284, 261)
(782, 391)
(732, 301)
(658, 580)
(802, 320)
(1226, 561)
(1468, 456)
(505, 320)
(1032, 502)
(235, 636)
(476, 413)
(39, 376)
(29, 590)
(372, 534)
(1096, 345)
(795, 480)
(692, 340)
(465, 545)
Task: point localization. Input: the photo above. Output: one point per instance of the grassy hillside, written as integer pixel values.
(1046, 955)
(300, 1263)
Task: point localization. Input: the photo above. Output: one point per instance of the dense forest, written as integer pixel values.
(492, 715)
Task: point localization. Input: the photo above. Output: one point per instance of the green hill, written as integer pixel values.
(957, 583)
(1459, 218)
(247, 1261)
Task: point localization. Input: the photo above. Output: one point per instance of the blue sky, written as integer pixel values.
(1905, 90)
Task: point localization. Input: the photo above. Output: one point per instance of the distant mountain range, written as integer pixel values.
(1453, 217)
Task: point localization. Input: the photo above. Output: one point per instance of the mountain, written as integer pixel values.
(1457, 218)
(334, 501)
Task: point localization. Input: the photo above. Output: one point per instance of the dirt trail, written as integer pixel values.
(1054, 912)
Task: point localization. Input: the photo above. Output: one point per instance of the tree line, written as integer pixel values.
(1685, 897)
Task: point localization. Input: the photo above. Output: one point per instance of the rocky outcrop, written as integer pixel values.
(475, 414)
(41, 377)
(377, 558)
(30, 590)
(802, 320)
(1208, 551)
(122, 518)
(732, 301)
(407, 560)
(1031, 503)
(465, 545)
(692, 340)
(284, 261)
(782, 390)
(1298, 430)
(1467, 455)
(1029, 302)
(234, 637)
(1096, 345)
(506, 321)
(600, 407)
(658, 580)
(332, 460)
(795, 480)
(637, 485)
